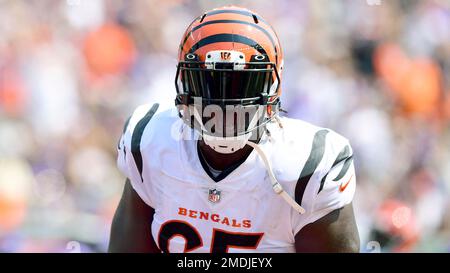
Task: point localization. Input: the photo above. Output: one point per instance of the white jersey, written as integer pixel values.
(241, 212)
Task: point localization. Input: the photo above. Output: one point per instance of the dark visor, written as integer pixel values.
(223, 83)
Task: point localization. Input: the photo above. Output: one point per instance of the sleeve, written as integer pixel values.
(336, 189)
(129, 147)
(332, 188)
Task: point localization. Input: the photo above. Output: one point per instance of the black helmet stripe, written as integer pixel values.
(233, 22)
(242, 12)
(226, 37)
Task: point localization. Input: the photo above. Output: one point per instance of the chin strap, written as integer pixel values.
(276, 186)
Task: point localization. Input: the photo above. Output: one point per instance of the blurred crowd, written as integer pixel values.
(72, 71)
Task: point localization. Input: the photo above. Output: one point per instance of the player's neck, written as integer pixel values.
(220, 161)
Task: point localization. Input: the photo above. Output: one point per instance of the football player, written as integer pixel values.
(223, 171)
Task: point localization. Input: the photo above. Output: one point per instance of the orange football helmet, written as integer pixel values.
(229, 56)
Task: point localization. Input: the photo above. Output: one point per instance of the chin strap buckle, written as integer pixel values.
(277, 188)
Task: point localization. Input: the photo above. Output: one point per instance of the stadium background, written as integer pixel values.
(71, 72)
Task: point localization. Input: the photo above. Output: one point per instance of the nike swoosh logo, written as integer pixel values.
(343, 186)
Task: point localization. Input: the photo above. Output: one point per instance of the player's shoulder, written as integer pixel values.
(141, 133)
(298, 131)
(146, 131)
(316, 155)
(147, 115)
(149, 124)
(303, 149)
(149, 119)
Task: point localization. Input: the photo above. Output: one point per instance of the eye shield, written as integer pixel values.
(226, 80)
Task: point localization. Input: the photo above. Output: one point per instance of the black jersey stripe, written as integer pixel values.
(123, 131)
(343, 155)
(315, 156)
(233, 22)
(137, 137)
(226, 37)
(126, 125)
(347, 164)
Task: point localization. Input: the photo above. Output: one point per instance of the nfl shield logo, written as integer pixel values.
(214, 196)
